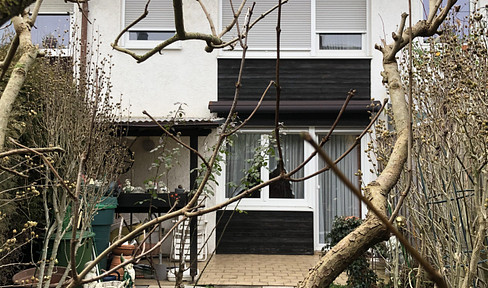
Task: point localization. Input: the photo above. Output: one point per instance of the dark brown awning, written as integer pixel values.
(323, 106)
(301, 113)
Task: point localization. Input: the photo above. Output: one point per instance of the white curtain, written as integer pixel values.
(292, 147)
(239, 160)
(335, 199)
(352, 41)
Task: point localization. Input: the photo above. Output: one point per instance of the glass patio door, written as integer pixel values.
(335, 199)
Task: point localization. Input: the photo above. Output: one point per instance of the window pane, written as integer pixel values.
(335, 199)
(7, 32)
(292, 147)
(341, 41)
(151, 35)
(239, 159)
(51, 31)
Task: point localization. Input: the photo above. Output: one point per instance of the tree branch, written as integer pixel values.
(18, 76)
(209, 18)
(179, 21)
(30, 151)
(177, 140)
(48, 163)
(11, 8)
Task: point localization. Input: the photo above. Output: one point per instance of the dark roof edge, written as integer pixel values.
(319, 106)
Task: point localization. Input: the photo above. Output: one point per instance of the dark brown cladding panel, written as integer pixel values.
(265, 232)
(301, 79)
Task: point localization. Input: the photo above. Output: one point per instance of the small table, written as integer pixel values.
(143, 203)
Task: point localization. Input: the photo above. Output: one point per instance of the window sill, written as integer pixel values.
(287, 54)
(56, 52)
(273, 205)
(149, 45)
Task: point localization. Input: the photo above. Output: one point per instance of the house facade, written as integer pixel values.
(326, 50)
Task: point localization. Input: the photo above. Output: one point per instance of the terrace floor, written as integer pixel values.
(250, 270)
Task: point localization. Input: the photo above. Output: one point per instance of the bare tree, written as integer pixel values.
(373, 230)
(448, 205)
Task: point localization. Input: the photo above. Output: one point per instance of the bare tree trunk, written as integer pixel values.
(19, 73)
(371, 231)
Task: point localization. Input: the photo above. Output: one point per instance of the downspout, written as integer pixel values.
(84, 41)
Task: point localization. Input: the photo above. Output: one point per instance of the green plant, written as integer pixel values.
(337, 286)
(360, 275)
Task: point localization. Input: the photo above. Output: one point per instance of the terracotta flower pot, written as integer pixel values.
(116, 261)
(125, 250)
(28, 277)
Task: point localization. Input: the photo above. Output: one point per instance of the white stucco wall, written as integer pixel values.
(153, 85)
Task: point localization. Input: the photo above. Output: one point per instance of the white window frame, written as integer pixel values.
(58, 7)
(264, 202)
(363, 52)
(145, 44)
(311, 186)
(315, 51)
(63, 52)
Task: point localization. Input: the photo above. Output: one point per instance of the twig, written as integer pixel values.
(30, 151)
(20, 174)
(139, 19)
(350, 94)
(354, 145)
(176, 139)
(236, 16)
(253, 111)
(225, 126)
(48, 163)
(281, 164)
(209, 19)
(250, 26)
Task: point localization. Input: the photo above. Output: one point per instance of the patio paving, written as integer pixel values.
(234, 270)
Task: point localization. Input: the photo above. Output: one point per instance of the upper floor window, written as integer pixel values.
(53, 25)
(51, 31)
(341, 25)
(156, 27)
(324, 27)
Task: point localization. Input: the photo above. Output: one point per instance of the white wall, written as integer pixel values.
(153, 85)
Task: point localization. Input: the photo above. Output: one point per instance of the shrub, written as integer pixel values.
(359, 274)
